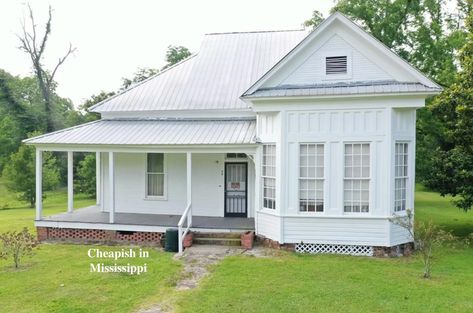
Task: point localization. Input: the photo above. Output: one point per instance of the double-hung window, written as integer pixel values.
(311, 177)
(401, 176)
(155, 175)
(357, 178)
(269, 176)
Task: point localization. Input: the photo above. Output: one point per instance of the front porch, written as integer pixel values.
(94, 218)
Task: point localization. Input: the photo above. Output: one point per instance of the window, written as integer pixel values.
(269, 176)
(400, 177)
(357, 177)
(155, 175)
(311, 177)
(336, 65)
(236, 156)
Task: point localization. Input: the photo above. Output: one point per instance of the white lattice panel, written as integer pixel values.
(334, 249)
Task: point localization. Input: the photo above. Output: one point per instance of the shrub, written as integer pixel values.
(86, 176)
(426, 236)
(16, 245)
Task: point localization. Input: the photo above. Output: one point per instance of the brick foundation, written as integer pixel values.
(380, 252)
(98, 236)
(405, 249)
(273, 244)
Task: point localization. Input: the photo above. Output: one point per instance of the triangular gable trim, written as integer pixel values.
(349, 23)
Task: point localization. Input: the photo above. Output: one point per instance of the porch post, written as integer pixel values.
(70, 182)
(189, 177)
(98, 176)
(111, 183)
(39, 184)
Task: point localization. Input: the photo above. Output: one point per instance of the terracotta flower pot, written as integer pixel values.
(188, 240)
(247, 239)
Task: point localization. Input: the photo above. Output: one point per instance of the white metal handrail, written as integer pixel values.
(186, 216)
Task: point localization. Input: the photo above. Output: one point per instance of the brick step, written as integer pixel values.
(216, 241)
(217, 235)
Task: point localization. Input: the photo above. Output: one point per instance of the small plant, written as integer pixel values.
(426, 236)
(16, 245)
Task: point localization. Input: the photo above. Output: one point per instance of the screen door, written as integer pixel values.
(235, 189)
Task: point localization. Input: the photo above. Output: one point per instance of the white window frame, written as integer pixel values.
(267, 177)
(338, 53)
(404, 166)
(315, 178)
(368, 178)
(151, 197)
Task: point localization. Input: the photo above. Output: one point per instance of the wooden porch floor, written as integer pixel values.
(93, 215)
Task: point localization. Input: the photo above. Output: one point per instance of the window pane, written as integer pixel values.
(155, 163)
(155, 184)
(311, 173)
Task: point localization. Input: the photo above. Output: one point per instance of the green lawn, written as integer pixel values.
(327, 283)
(57, 278)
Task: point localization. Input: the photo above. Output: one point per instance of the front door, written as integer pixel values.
(235, 189)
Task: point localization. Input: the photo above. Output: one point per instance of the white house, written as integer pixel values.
(306, 138)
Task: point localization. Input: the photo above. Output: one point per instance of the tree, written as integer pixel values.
(176, 54)
(17, 245)
(315, 20)
(19, 173)
(86, 176)
(140, 75)
(35, 48)
(453, 159)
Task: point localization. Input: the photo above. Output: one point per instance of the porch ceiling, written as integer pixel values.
(93, 215)
(154, 132)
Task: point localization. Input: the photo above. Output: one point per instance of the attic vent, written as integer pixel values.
(336, 65)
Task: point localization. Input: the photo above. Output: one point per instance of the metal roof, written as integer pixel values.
(215, 78)
(154, 132)
(341, 89)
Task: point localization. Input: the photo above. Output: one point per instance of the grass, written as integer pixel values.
(57, 279)
(327, 283)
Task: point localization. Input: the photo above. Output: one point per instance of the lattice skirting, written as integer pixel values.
(334, 249)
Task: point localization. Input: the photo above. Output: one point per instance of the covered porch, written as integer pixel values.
(194, 174)
(93, 217)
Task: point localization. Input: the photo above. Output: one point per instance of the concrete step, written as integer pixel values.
(216, 241)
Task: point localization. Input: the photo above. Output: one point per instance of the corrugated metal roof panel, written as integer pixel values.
(214, 79)
(344, 89)
(154, 132)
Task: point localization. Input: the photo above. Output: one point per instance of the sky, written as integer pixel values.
(115, 38)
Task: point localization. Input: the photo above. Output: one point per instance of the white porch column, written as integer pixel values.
(39, 183)
(98, 176)
(111, 183)
(189, 177)
(70, 182)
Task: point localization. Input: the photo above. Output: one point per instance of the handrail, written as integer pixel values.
(186, 216)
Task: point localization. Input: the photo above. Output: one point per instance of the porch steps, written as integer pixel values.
(221, 239)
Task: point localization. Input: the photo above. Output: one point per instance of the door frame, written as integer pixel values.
(225, 214)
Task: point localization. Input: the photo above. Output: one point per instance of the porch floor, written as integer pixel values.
(93, 215)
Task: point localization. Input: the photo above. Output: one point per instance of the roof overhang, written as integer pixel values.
(146, 134)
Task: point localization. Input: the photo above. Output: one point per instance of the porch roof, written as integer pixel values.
(154, 132)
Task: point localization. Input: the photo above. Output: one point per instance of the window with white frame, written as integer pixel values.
(269, 176)
(311, 177)
(401, 176)
(357, 178)
(155, 175)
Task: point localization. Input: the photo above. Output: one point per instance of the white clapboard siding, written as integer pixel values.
(345, 231)
(312, 70)
(269, 225)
